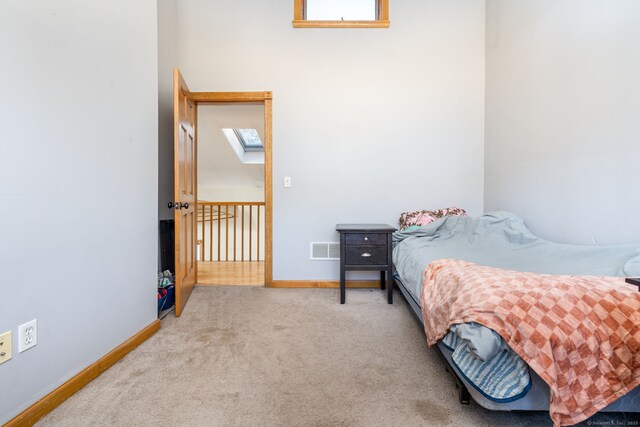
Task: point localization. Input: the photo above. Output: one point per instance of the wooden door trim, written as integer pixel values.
(232, 97)
(195, 182)
(268, 190)
(262, 98)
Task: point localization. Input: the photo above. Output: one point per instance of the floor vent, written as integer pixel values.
(325, 251)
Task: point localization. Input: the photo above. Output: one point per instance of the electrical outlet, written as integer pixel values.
(5, 347)
(27, 335)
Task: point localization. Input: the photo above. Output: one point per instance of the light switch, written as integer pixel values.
(287, 182)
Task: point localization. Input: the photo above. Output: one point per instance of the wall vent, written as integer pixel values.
(325, 251)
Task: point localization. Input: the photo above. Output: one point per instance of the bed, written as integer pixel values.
(501, 240)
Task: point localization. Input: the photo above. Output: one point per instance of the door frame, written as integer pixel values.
(265, 99)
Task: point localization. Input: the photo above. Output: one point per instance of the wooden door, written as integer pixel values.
(185, 191)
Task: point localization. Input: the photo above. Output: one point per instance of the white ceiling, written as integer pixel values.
(218, 164)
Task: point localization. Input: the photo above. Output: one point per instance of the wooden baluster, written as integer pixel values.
(203, 237)
(210, 233)
(250, 229)
(235, 238)
(242, 232)
(226, 227)
(258, 234)
(219, 208)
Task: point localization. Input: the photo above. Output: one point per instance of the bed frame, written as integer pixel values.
(538, 393)
(463, 392)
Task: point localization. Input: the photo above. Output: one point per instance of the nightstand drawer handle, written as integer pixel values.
(366, 255)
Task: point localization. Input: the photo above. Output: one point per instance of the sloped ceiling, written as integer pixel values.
(218, 165)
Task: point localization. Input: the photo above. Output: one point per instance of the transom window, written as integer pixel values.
(340, 10)
(341, 14)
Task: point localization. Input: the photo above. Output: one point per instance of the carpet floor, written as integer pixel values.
(250, 356)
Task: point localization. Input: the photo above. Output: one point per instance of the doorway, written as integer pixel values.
(264, 99)
(231, 194)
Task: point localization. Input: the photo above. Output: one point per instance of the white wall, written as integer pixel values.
(78, 183)
(210, 191)
(368, 123)
(222, 177)
(167, 60)
(562, 108)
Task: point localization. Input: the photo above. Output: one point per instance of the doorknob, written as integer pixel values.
(184, 205)
(173, 205)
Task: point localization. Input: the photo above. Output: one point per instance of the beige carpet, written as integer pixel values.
(249, 356)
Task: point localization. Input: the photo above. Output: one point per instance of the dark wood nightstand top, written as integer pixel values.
(372, 228)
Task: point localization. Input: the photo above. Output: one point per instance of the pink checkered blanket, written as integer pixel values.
(581, 334)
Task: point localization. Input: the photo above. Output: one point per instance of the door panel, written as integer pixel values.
(185, 146)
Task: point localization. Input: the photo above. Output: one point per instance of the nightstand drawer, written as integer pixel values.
(365, 255)
(366, 239)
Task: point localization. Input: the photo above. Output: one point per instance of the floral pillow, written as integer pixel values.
(419, 218)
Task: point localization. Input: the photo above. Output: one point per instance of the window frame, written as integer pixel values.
(243, 142)
(300, 21)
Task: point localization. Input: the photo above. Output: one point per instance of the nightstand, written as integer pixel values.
(366, 247)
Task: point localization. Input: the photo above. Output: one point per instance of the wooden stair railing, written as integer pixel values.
(244, 219)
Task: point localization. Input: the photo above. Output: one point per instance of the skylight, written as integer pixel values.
(246, 144)
(249, 139)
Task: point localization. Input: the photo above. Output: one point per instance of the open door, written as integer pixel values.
(185, 192)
